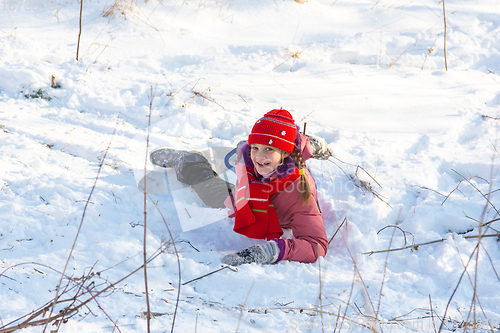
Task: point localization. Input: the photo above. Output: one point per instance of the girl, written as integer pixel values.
(275, 191)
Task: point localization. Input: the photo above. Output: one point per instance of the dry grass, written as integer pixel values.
(120, 7)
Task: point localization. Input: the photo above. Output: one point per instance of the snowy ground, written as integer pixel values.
(368, 76)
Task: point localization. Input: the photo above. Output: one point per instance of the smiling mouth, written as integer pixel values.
(263, 165)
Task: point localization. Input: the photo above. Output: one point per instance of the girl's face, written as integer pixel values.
(265, 158)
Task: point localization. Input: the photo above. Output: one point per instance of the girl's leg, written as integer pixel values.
(192, 168)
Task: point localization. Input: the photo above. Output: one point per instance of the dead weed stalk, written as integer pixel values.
(76, 294)
(144, 242)
(385, 266)
(119, 6)
(357, 278)
(363, 185)
(178, 262)
(81, 221)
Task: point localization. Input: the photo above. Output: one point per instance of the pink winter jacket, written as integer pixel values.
(305, 221)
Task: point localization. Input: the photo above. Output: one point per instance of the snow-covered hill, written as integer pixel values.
(368, 76)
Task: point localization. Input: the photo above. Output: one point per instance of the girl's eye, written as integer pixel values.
(269, 149)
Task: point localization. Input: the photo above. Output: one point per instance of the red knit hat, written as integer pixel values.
(276, 129)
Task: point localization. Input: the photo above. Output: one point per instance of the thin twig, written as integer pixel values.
(337, 320)
(338, 166)
(397, 227)
(310, 113)
(429, 189)
(243, 307)
(487, 224)
(484, 196)
(430, 51)
(178, 91)
(456, 288)
(345, 218)
(233, 94)
(491, 262)
(444, 19)
(70, 311)
(432, 314)
(385, 267)
(178, 262)
(105, 313)
(458, 185)
(344, 316)
(204, 96)
(352, 284)
(144, 243)
(361, 280)
(473, 284)
(320, 293)
(79, 30)
(362, 184)
(360, 167)
(150, 25)
(416, 246)
(186, 241)
(218, 270)
(196, 322)
(475, 297)
(46, 307)
(81, 220)
(494, 118)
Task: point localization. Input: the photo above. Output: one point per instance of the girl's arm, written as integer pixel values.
(310, 240)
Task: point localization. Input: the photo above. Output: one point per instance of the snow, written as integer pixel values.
(368, 76)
